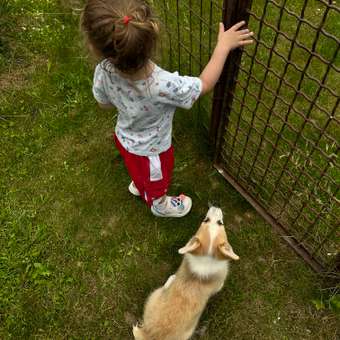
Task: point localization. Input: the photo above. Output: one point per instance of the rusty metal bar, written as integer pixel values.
(200, 47)
(210, 25)
(248, 79)
(165, 11)
(178, 37)
(191, 34)
(233, 11)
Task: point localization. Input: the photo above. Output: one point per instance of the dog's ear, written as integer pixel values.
(192, 245)
(226, 251)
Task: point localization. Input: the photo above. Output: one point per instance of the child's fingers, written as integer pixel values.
(247, 35)
(221, 28)
(220, 31)
(243, 31)
(238, 25)
(246, 42)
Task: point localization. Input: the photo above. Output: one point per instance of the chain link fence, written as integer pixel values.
(275, 117)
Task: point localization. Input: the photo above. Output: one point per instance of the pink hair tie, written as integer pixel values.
(126, 20)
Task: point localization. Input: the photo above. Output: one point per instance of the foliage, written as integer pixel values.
(78, 254)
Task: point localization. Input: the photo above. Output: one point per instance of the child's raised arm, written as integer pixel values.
(227, 41)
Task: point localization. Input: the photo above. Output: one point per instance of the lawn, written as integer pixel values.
(78, 254)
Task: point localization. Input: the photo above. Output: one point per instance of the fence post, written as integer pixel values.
(233, 12)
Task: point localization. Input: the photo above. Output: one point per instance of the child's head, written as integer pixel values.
(124, 31)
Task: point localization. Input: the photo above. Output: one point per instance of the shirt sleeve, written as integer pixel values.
(180, 91)
(98, 86)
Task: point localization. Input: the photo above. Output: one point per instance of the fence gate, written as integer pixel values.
(275, 121)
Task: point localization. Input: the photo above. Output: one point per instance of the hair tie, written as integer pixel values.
(126, 20)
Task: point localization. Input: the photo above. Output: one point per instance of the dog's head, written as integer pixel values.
(211, 238)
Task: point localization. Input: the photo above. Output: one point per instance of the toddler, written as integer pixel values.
(123, 34)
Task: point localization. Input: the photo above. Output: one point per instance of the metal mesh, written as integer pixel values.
(275, 119)
(280, 141)
(189, 36)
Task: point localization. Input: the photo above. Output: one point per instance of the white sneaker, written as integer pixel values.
(172, 206)
(133, 189)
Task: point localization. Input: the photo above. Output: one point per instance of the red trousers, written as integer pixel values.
(151, 174)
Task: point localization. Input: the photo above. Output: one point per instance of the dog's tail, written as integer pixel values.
(138, 333)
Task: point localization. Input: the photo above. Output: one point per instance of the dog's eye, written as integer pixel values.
(219, 222)
(206, 220)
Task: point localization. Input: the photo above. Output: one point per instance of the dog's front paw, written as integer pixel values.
(138, 333)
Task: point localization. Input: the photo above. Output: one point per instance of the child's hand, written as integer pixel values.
(234, 37)
(227, 41)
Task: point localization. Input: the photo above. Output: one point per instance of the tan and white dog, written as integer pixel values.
(173, 311)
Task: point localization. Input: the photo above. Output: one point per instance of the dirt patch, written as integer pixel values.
(110, 226)
(130, 318)
(249, 215)
(18, 78)
(238, 219)
(63, 147)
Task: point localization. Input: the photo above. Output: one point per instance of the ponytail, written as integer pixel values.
(125, 32)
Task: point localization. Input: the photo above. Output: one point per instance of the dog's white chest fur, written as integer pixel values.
(206, 266)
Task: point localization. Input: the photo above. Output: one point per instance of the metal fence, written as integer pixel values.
(275, 118)
(189, 36)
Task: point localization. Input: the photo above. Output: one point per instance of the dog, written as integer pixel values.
(173, 310)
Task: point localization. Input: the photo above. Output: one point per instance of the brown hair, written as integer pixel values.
(128, 45)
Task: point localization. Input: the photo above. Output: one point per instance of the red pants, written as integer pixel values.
(151, 175)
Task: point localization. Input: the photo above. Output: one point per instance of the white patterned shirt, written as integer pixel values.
(145, 107)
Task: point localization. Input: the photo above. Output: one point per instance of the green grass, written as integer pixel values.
(78, 254)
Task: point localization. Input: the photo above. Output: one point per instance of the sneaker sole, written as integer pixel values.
(133, 191)
(158, 214)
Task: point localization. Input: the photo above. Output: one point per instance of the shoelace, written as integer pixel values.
(177, 201)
